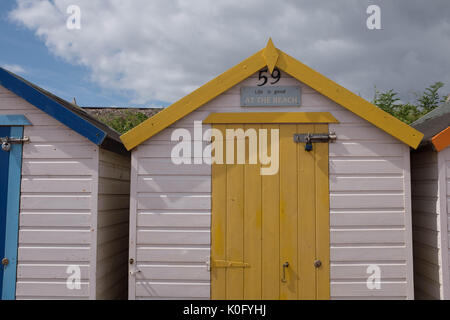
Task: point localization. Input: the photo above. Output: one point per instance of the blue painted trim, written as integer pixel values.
(12, 216)
(51, 107)
(14, 120)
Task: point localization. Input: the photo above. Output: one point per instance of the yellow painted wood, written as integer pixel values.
(218, 225)
(235, 228)
(296, 69)
(271, 117)
(288, 211)
(349, 100)
(270, 54)
(252, 226)
(194, 100)
(270, 193)
(306, 218)
(260, 222)
(322, 216)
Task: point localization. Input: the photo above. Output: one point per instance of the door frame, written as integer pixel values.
(16, 123)
(322, 196)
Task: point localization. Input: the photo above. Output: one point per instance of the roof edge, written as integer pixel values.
(29, 93)
(268, 57)
(441, 140)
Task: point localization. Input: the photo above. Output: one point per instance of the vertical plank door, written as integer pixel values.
(269, 230)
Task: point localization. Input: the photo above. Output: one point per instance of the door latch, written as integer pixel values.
(310, 138)
(7, 141)
(225, 264)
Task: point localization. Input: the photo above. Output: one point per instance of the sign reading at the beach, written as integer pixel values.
(273, 96)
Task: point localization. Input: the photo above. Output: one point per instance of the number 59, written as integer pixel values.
(276, 74)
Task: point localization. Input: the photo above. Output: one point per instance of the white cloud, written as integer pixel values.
(163, 49)
(14, 68)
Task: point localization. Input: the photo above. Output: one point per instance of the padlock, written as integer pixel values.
(6, 146)
(308, 145)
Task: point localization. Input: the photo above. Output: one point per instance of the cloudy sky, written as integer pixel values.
(140, 52)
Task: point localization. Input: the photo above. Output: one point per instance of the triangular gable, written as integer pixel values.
(69, 115)
(272, 57)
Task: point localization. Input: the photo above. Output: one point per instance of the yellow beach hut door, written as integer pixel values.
(270, 233)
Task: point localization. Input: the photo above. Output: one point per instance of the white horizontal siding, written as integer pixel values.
(368, 213)
(426, 226)
(170, 207)
(444, 177)
(112, 226)
(55, 206)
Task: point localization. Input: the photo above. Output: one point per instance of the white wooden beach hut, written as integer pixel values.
(331, 219)
(430, 171)
(64, 199)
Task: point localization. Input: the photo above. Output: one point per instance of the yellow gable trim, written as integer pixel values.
(271, 117)
(350, 101)
(192, 101)
(296, 69)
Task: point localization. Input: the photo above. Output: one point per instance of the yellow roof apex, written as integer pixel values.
(271, 55)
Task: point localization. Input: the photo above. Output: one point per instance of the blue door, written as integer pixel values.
(11, 126)
(4, 170)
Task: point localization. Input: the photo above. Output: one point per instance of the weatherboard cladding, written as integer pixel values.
(446, 204)
(431, 221)
(370, 218)
(66, 213)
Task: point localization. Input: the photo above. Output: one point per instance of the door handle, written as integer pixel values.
(5, 262)
(285, 265)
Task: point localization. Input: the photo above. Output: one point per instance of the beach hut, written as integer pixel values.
(271, 182)
(430, 171)
(64, 199)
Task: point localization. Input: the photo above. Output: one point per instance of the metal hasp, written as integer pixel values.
(315, 137)
(7, 141)
(310, 138)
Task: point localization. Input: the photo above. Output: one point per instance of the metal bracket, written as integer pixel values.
(314, 137)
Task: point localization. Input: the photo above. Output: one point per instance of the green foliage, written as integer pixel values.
(408, 112)
(430, 98)
(123, 122)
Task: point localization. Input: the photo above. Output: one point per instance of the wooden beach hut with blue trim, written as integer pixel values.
(64, 195)
(333, 222)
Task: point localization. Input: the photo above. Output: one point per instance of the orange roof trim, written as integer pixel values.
(441, 140)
